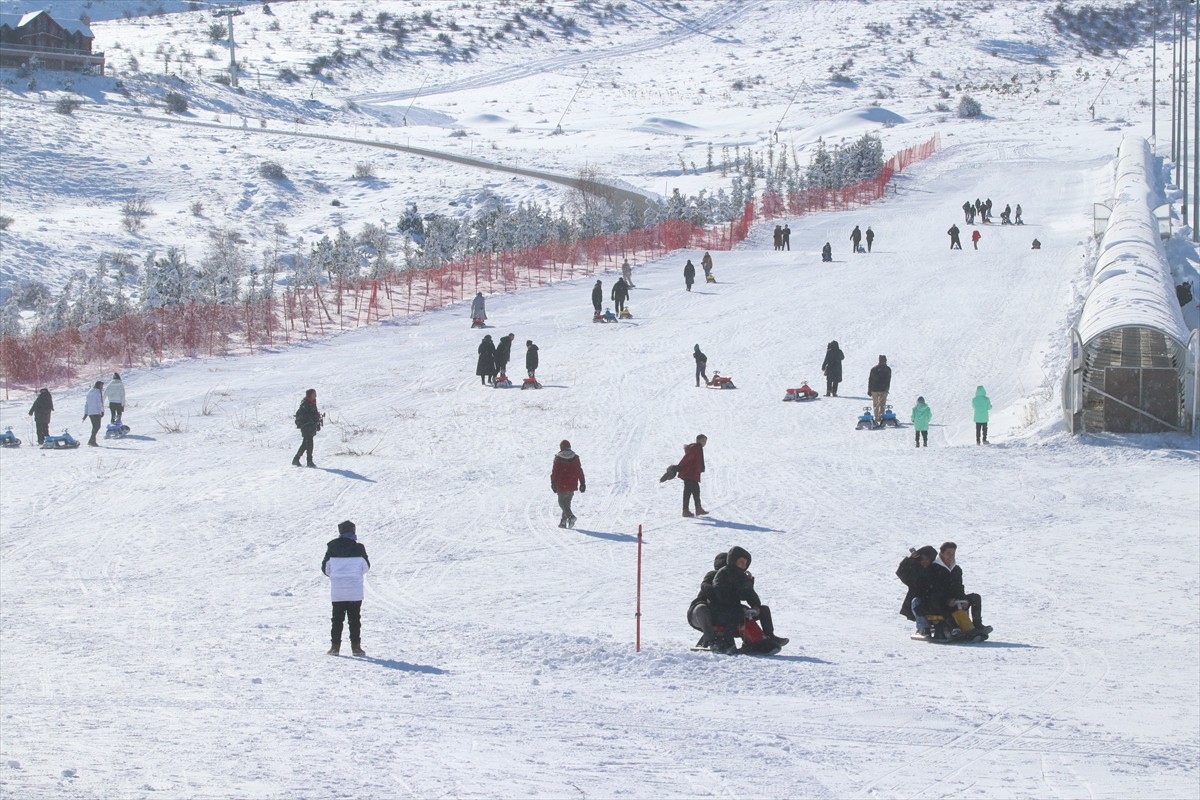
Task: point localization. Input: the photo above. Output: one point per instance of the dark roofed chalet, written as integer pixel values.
(57, 45)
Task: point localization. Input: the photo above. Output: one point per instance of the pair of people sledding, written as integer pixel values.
(719, 614)
(935, 588)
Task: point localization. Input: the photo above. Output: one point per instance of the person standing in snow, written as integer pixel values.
(478, 312)
(855, 237)
(620, 291)
(345, 564)
(597, 296)
(915, 572)
(732, 585)
(41, 409)
(831, 367)
(777, 235)
(870, 238)
(955, 244)
(987, 210)
(503, 353)
(116, 398)
(706, 264)
(690, 467)
(787, 238)
(531, 358)
(701, 365)
(93, 409)
(921, 414)
(485, 365)
(627, 273)
(968, 212)
(975, 237)
(566, 476)
(689, 274)
(1017, 216)
(982, 405)
(879, 383)
(309, 420)
(947, 594)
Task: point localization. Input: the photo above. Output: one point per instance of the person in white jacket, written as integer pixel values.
(116, 398)
(346, 563)
(93, 409)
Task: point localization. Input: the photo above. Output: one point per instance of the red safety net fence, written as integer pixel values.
(197, 330)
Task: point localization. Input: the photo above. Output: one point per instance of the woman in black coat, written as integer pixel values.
(531, 358)
(689, 274)
(504, 352)
(485, 367)
(832, 367)
(40, 411)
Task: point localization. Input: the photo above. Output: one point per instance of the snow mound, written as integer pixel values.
(665, 125)
(404, 116)
(851, 124)
(487, 119)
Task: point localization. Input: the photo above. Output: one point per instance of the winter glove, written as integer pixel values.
(582, 487)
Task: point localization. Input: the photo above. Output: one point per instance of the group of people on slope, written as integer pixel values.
(983, 210)
(783, 237)
(857, 237)
(93, 407)
(719, 614)
(619, 294)
(493, 358)
(935, 588)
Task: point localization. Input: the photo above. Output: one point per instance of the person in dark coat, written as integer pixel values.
(914, 572)
(968, 212)
(778, 236)
(787, 238)
(566, 477)
(831, 367)
(955, 244)
(987, 210)
(827, 252)
(689, 274)
(531, 358)
(42, 406)
(597, 296)
(699, 614)
(620, 291)
(701, 365)
(309, 420)
(870, 238)
(485, 366)
(855, 237)
(947, 593)
(504, 352)
(879, 383)
(345, 564)
(690, 467)
(732, 585)
(1006, 215)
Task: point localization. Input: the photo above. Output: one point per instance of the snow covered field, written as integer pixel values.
(164, 620)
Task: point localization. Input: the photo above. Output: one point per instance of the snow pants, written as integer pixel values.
(700, 618)
(564, 502)
(306, 446)
(980, 429)
(691, 489)
(619, 303)
(351, 609)
(922, 435)
(701, 371)
(95, 418)
(42, 423)
(831, 387)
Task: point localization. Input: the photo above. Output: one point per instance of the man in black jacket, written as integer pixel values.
(879, 383)
(597, 296)
(620, 291)
(700, 615)
(503, 353)
(40, 411)
(947, 593)
(732, 585)
(914, 572)
(309, 421)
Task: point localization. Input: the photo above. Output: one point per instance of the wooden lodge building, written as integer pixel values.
(64, 46)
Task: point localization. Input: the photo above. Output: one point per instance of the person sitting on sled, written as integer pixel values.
(732, 585)
(700, 615)
(914, 572)
(947, 594)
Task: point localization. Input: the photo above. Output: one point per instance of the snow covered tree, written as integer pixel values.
(222, 268)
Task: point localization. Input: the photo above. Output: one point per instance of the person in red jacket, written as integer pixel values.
(565, 477)
(975, 237)
(690, 467)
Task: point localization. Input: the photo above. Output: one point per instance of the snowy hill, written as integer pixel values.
(163, 619)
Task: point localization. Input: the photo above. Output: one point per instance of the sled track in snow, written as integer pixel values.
(719, 17)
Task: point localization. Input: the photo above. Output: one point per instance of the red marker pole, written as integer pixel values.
(638, 614)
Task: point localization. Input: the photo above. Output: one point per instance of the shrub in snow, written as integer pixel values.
(364, 170)
(969, 108)
(272, 171)
(176, 103)
(216, 32)
(288, 76)
(67, 105)
(458, 133)
(134, 212)
(5, 221)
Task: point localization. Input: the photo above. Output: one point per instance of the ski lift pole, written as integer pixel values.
(638, 613)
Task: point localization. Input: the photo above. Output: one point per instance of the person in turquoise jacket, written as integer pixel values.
(982, 406)
(921, 414)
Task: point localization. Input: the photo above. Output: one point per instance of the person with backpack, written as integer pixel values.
(831, 367)
(345, 564)
(701, 365)
(690, 468)
(43, 406)
(981, 404)
(566, 477)
(309, 420)
(921, 414)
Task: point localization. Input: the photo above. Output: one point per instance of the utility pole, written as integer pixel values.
(231, 13)
(1183, 93)
(1196, 127)
(1154, 80)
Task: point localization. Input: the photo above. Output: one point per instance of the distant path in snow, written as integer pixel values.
(717, 18)
(614, 194)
